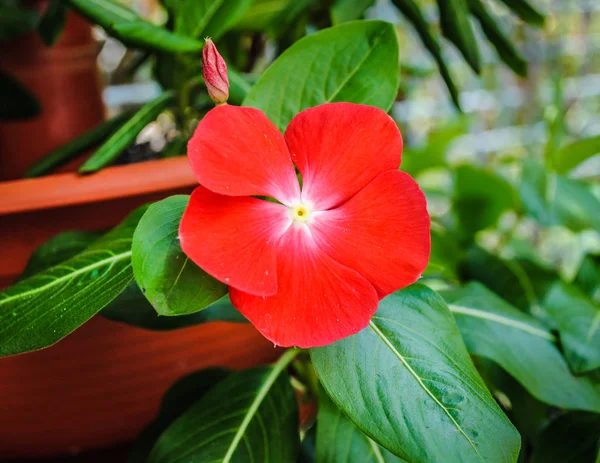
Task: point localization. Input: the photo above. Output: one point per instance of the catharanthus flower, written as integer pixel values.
(309, 268)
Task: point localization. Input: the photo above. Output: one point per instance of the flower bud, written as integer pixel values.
(214, 72)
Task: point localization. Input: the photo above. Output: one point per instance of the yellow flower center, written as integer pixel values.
(300, 213)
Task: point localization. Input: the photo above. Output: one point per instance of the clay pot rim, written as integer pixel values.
(115, 182)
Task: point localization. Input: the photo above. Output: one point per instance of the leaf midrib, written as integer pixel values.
(386, 341)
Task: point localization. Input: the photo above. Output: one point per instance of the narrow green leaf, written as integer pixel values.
(176, 401)
(524, 10)
(408, 383)
(348, 10)
(355, 62)
(16, 102)
(39, 311)
(573, 154)
(16, 21)
(126, 134)
(207, 18)
(578, 323)
(410, 9)
(503, 44)
(571, 438)
(250, 416)
(77, 146)
(456, 26)
(128, 27)
(53, 22)
(340, 441)
(169, 279)
(521, 345)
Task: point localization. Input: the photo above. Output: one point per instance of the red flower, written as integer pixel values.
(309, 269)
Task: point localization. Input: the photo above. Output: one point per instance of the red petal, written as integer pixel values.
(237, 151)
(234, 239)
(318, 300)
(382, 232)
(339, 148)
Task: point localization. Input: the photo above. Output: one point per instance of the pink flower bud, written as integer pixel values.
(214, 72)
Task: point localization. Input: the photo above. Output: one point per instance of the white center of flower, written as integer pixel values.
(300, 213)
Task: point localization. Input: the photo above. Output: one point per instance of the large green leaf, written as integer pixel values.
(355, 62)
(207, 18)
(168, 278)
(348, 10)
(340, 441)
(410, 9)
(126, 134)
(16, 21)
(573, 154)
(77, 146)
(571, 438)
(128, 27)
(250, 416)
(521, 345)
(39, 311)
(524, 10)
(179, 398)
(456, 26)
(578, 323)
(408, 383)
(16, 102)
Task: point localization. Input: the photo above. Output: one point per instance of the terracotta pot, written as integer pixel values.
(65, 80)
(101, 385)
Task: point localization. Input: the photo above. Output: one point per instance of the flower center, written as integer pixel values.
(300, 213)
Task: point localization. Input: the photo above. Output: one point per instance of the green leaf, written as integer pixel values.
(573, 154)
(340, 441)
(239, 87)
(58, 249)
(521, 345)
(553, 199)
(250, 416)
(408, 383)
(16, 102)
(16, 21)
(176, 401)
(524, 10)
(571, 438)
(169, 279)
(578, 324)
(348, 10)
(355, 62)
(79, 145)
(41, 310)
(507, 51)
(444, 257)
(261, 14)
(480, 198)
(456, 26)
(132, 30)
(410, 9)
(126, 134)
(53, 22)
(207, 18)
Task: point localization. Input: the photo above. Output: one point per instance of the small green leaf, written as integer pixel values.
(573, 154)
(521, 345)
(578, 324)
(408, 383)
(250, 416)
(169, 279)
(410, 9)
(53, 22)
(570, 438)
(207, 18)
(176, 401)
(355, 62)
(340, 441)
(132, 30)
(16, 102)
(503, 45)
(456, 26)
(126, 134)
(41, 310)
(16, 21)
(77, 146)
(524, 10)
(348, 10)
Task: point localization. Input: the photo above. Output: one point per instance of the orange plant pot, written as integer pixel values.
(102, 384)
